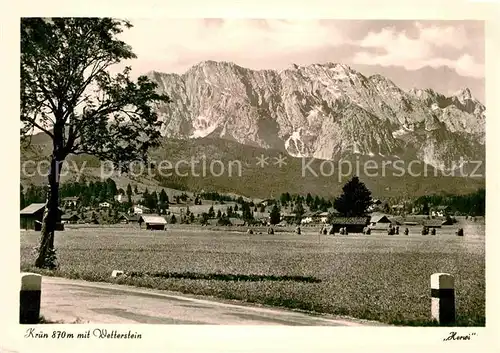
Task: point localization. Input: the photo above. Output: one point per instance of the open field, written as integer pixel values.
(375, 277)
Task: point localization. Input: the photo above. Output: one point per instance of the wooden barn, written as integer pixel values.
(126, 218)
(379, 221)
(352, 224)
(71, 218)
(32, 215)
(237, 222)
(68, 202)
(320, 217)
(449, 221)
(433, 223)
(288, 217)
(153, 222)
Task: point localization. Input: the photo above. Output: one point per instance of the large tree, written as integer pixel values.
(246, 213)
(274, 215)
(299, 211)
(211, 212)
(112, 190)
(425, 209)
(354, 200)
(23, 201)
(68, 92)
(129, 193)
(163, 200)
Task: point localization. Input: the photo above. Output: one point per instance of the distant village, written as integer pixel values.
(104, 204)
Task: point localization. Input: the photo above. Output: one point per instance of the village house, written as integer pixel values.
(374, 205)
(212, 222)
(153, 222)
(439, 211)
(70, 218)
(306, 220)
(237, 222)
(288, 217)
(352, 224)
(263, 220)
(266, 202)
(398, 209)
(105, 204)
(32, 215)
(139, 209)
(70, 202)
(320, 217)
(126, 218)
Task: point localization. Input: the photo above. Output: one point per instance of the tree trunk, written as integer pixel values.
(46, 256)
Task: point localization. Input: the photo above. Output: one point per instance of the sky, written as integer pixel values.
(443, 55)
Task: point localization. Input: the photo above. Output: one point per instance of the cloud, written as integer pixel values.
(432, 46)
(451, 36)
(399, 46)
(174, 45)
(391, 47)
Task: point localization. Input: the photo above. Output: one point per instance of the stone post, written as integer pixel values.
(30, 296)
(443, 298)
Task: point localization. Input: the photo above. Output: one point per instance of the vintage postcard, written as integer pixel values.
(253, 181)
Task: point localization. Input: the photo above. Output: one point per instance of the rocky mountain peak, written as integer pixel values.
(379, 79)
(320, 110)
(463, 94)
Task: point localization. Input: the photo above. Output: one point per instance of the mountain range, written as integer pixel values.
(326, 111)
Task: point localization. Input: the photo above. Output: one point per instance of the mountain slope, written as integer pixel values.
(298, 175)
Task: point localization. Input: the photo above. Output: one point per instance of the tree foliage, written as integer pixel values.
(274, 215)
(215, 196)
(354, 200)
(473, 204)
(211, 212)
(425, 208)
(22, 198)
(129, 193)
(299, 211)
(246, 212)
(68, 92)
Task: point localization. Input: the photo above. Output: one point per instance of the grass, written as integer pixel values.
(43, 320)
(376, 277)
